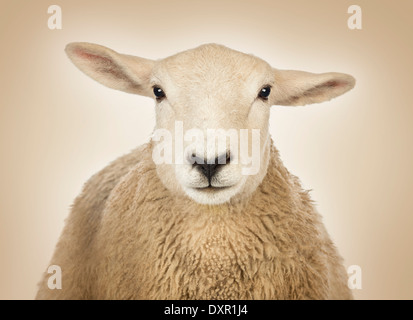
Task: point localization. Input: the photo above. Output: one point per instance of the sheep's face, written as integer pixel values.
(214, 103)
(211, 140)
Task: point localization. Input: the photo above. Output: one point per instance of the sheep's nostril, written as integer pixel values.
(223, 158)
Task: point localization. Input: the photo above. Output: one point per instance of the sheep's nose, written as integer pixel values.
(210, 169)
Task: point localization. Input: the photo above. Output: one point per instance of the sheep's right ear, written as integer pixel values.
(114, 70)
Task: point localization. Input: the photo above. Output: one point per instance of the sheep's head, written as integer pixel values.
(212, 110)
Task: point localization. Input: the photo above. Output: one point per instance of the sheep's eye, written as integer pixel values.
(159, 93)
(264, 93)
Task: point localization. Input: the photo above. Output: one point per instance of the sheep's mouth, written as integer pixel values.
(210, 194)
(211, 188)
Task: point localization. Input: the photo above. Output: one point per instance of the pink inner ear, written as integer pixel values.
(335, 84)
(84, 55)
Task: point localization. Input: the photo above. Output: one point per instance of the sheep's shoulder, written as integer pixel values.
(76, 252)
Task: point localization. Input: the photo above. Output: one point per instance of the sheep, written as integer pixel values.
(199, 228)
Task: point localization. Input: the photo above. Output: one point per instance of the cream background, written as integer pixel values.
(58, 127)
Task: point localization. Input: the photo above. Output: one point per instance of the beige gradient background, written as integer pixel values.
(58, 127)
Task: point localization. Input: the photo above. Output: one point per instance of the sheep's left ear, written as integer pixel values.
(114, 70)
(298, 88)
